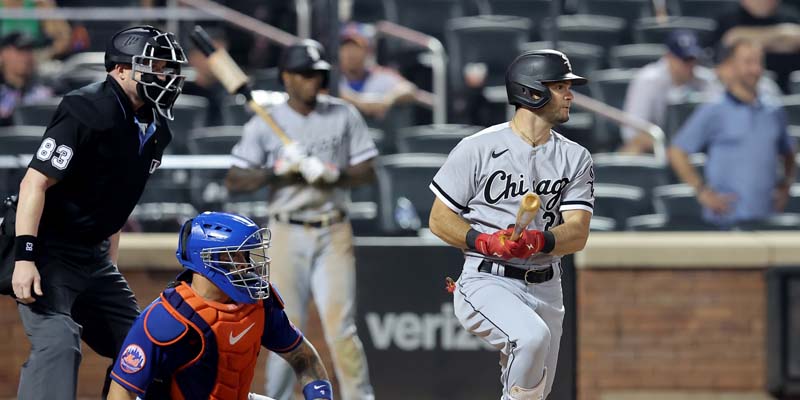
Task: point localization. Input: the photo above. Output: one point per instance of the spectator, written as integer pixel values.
(776, 28)
(18, 83)
(724, 70)
(371, 88)
(674, 77)
(54, 35)
(743, 135)
(205, 84)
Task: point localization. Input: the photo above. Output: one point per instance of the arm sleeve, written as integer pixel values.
(362, 148)
(280, 335)
(138, 361)
(638, 102)
(60, 145)
(252, 151)
(455, 182)
(579, 191)
(695, 133)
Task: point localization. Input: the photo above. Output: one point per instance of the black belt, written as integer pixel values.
(527, 275)
(322, 223)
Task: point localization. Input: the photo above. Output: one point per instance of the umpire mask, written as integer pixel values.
(159, 80)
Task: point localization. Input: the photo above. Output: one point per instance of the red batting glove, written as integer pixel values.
(530, 242)
(498, 244)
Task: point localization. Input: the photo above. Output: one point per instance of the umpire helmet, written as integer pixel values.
(229, 250)
(141, 47)
(303, 56)
(527, 74)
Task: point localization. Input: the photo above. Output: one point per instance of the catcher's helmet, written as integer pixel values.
(305, 55)
(231, 251)
(141, 47)
(526, 76)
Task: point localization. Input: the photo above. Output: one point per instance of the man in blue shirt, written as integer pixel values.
(744, 135)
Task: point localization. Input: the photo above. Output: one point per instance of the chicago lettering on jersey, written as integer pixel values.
(507, 186)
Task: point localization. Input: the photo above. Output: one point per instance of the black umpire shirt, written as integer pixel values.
(101, 154)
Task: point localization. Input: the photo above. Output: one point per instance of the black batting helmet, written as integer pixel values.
(526, 76)
(303, 56)
(144, 48)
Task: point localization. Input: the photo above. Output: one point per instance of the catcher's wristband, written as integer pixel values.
(25, 248)
(472, 237)
(549, 242)
(318, 390)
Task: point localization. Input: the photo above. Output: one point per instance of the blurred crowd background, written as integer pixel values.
(656, 60)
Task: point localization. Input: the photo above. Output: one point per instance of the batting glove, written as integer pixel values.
(498, 244)
(289, 158)
(530, 242)
(314, 170)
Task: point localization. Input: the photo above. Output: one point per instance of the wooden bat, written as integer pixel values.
(233, 78)
(528, 208)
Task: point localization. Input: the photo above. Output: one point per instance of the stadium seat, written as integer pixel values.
(791, 104)
(493, 40)
(635, 170)
(235, 112)
(677, 202)
(584, 57)
(654, 30)
(635, 55)
(20, 139)
(373, 10)
(427, 16)
(435, 138)
(600, 30)
(678, 113)
(167, 186)
(777, 222)
(793, 206)
(214, 139)
(660, 222)
(190, 113)
(404, 198)
(38, 114)
(628, 10)
(535, 10)
(619, 202)
(266, 79)
(602, 224)
(162, 217)
(581, 129)
(794, 82)
(707, 8)
(610, 86)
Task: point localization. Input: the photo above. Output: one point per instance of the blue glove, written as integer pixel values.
(318, 390)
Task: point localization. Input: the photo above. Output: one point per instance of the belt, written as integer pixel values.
(527, 275)
(325, 221)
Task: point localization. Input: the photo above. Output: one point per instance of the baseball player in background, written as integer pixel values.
(309, 180)
(201, 337)
(509, 292)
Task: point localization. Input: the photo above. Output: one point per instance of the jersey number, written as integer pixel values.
(551, 220)
(48, 147)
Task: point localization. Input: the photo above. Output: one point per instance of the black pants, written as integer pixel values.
(85, 297)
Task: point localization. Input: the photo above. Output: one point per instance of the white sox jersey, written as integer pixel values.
(334, 132)
(486, 175)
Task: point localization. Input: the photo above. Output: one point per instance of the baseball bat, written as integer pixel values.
(232, 77)
(528, 208)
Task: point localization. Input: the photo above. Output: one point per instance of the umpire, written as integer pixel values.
(88, 173)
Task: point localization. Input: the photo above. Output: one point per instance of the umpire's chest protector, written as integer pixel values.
(231, 340)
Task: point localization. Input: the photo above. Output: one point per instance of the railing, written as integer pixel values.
(438, 65)
(623, 118)
(243, 21)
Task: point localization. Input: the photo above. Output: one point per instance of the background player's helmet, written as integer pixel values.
(303, 56)
(141, 47)
(527, 74)
(231, 251)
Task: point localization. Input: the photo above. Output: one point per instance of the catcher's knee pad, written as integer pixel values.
(535, 393)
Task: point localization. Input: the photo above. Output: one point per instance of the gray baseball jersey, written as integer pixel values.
(486, 175)
(334, 132)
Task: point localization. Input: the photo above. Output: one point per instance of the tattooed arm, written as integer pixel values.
(306, 363)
